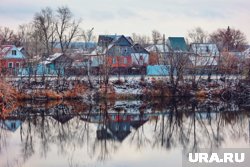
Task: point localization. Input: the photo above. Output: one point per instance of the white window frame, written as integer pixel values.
(113, 60)
(11, 64)
(125, 61)
(141, 60)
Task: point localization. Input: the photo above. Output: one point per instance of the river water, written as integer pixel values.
(127, 133)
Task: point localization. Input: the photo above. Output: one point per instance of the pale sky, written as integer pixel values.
(171, 17)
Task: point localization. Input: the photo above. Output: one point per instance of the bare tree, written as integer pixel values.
(67, 28)
(143, 40)
(9, 37)
(88, 36)
(6, 34)
(197, 35)
(44, 23)
(229, 39)
(156, 36)
(230, 65)
(25, 33)
(177, 62)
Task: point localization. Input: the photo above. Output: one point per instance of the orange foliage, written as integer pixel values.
(153, 58)
(7, 99)
(107, 91)
(76, 92)
(7, 93)
(229, 62)
(201, 94)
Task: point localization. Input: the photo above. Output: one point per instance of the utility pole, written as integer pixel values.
(164, 49)
(164, 43)
(88, 63)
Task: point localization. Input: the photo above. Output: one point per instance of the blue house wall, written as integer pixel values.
(158, 70)
(42, 69)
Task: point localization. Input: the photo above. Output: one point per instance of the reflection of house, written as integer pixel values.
(114, 130)
(120, 130)
(62, 118)
(11, 59)
(116, 126)
(11, 124)
(137, 124)
(61, 113)
(103, 133)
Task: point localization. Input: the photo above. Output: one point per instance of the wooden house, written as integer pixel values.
(11, 59)
(54, 65)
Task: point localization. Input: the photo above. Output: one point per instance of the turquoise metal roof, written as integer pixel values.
(177, 43)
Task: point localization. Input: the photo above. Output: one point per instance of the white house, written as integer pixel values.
(139, 55)
(246, 53)
(204, 54)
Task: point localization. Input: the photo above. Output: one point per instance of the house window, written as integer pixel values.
(17, 65)
(125, 52)
(49, 70)
(113, 60)
(10, 65)
(13, 52)
(118, 51)
(125, 60)
(141, 60)
(207, 49)
(13, 125)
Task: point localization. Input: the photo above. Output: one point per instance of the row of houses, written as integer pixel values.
(118, 53)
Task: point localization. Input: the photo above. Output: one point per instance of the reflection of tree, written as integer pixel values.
(105, 145)
(197, 126)
(45, 133)
(139, 136)
(187, 124)
(3, 137)
(27, 140)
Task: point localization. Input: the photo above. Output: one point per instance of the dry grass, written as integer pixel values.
(7, 93)
(76, 92)
(201, 94)
(7, 98)
(107, 92)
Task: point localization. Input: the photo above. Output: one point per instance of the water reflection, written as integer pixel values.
(118, 133)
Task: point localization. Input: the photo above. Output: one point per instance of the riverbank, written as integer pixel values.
(129, 89)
